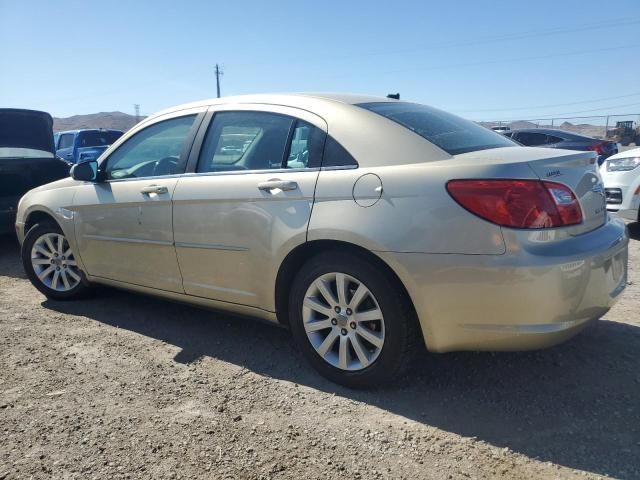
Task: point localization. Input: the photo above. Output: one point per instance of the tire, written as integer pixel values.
(53, 273)
(396, 323)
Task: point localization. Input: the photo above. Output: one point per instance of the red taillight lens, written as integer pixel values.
(598, 148)
(518, 203)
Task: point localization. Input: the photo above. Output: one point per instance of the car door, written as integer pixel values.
(124, 223)
(247, 202)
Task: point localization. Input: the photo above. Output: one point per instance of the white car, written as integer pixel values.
(621, 175)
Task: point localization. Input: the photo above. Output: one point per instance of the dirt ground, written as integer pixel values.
(127, 386)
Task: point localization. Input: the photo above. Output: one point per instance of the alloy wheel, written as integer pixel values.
(54, 263)
(343, 321)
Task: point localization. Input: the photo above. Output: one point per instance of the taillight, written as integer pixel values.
(598, 148)
(518, 203)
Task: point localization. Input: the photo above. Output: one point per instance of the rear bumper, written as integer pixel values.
(517, 301)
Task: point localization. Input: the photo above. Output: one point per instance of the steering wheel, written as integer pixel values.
(165, 166)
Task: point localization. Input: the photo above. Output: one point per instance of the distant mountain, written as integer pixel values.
(115, 120)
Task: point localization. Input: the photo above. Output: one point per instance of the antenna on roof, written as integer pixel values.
(394, 96)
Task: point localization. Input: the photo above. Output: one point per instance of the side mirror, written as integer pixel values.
(85, 171)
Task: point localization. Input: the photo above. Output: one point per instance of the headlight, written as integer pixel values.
(622, 164)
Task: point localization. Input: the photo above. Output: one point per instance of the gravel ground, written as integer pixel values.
(126, 386)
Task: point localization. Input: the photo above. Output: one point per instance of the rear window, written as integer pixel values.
(98, 138)
(452, 134)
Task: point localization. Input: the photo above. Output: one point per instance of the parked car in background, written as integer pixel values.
(621, 175)
(81, 145)
(27, 159)
(367, 225)
(501, 129)
(552, 138)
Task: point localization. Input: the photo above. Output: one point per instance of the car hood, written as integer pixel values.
(26, 129)
(64, 183)
(634, 152)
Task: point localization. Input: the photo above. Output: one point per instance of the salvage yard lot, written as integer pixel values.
(127, 386)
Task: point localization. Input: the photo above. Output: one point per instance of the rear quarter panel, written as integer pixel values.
(414, 212)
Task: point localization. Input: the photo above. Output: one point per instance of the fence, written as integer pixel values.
(594, 126)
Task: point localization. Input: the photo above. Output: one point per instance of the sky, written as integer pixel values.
(482, 60)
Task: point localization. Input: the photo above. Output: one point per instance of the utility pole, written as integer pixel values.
(219, 73)
(136, 107)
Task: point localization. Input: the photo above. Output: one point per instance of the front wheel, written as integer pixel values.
(50, 263)
(351, 321)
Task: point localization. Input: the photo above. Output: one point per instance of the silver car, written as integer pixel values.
(366, 225)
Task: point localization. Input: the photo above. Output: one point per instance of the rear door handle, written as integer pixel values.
(276, 183)
(154, 189)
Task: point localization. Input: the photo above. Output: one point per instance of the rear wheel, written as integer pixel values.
(351, 321)
(50, 263)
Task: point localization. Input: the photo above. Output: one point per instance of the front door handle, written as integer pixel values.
(154, 189)
(276, 183)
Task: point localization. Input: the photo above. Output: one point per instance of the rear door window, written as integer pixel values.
(305, 148)
(249, 141)
(532, 139)
(335, 155)
(452, 134)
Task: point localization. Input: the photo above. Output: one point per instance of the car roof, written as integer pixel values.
(306, 101)
(338, 115)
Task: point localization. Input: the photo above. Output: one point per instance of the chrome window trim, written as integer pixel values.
(131, 179)
(235, 172)
(250, 172)
(340, 167)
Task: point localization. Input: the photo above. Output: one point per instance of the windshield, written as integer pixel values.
(98, 138)
(11, 152)
(452, 134)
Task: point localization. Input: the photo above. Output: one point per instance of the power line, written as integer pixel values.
(619, 22)
(550, 105)
(501, 38)
(589, 111)
(510, 60)
(559, 116)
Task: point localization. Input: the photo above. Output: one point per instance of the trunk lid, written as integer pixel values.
(28, 129)
(577, 170)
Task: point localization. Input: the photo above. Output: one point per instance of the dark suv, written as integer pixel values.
(547, 137)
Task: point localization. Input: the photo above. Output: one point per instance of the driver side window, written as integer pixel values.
(154, 151)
